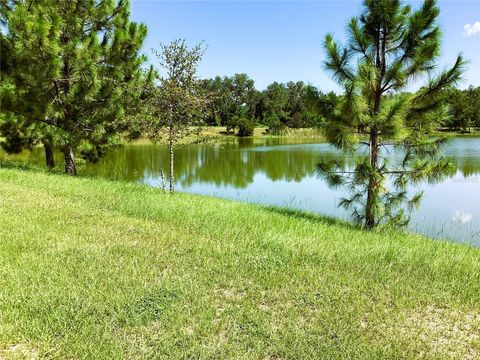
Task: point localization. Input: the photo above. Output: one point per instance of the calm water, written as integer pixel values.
(282, 172)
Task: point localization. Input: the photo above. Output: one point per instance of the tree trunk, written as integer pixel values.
(49, 160)
(164, 180)
(372, 183)
(172, 176)
(70, 167)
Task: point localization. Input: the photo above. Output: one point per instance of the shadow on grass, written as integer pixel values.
(331, 221)
(305, 215)
(25, 166)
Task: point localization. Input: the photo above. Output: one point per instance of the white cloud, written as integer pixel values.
(471, 29)
(462, 217)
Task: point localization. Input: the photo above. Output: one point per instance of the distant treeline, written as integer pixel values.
(239, 106)
(464, 109)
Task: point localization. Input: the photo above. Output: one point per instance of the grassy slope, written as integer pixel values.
(98, 269)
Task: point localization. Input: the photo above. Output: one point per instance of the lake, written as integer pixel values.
(281, 171)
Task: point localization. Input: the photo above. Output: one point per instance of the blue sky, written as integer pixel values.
(282, 40)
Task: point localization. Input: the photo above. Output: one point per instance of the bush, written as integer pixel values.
(245, 127)
(231, 124)
(275, 126)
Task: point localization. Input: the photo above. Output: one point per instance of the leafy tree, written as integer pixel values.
(224, 101)
(294, 104)
(233, 98)
(389, 45)
(178, 106)
(244, 95)
(464, 108)
(312, 104)
(231, 124)
(275, 126)
(216, 107)
(473, 93)
(274, 99)
(327, 103)
(459, 109)
(75, 68)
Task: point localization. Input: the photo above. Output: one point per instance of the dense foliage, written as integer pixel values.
(464, 109)
(71, 69)
(245, 127)
(300, 105)
(294, 104)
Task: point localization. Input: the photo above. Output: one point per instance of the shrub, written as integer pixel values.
(275, 126)
(231, 124)
(245, 127)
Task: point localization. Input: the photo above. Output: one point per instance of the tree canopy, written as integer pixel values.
(294, 104)
(71, 70)
(464, 108)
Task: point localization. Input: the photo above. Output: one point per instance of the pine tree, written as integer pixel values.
(18, 110)
(389, 46)
(75, 70)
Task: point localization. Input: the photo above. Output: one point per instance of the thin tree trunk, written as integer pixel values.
(49, 160)
(70, 167)
(372, 191)
(372, 184)
(172, 176)
(164, 181)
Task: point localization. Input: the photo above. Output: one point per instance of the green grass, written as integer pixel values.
(261, 131)
(97, 269)
(220, 132)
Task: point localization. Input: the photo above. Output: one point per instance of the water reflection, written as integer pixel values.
(282, 172)
(233, 163)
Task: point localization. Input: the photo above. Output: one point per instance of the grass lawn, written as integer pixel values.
(220, 132)
(100, 270)
(261, 131)
(210, 133)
